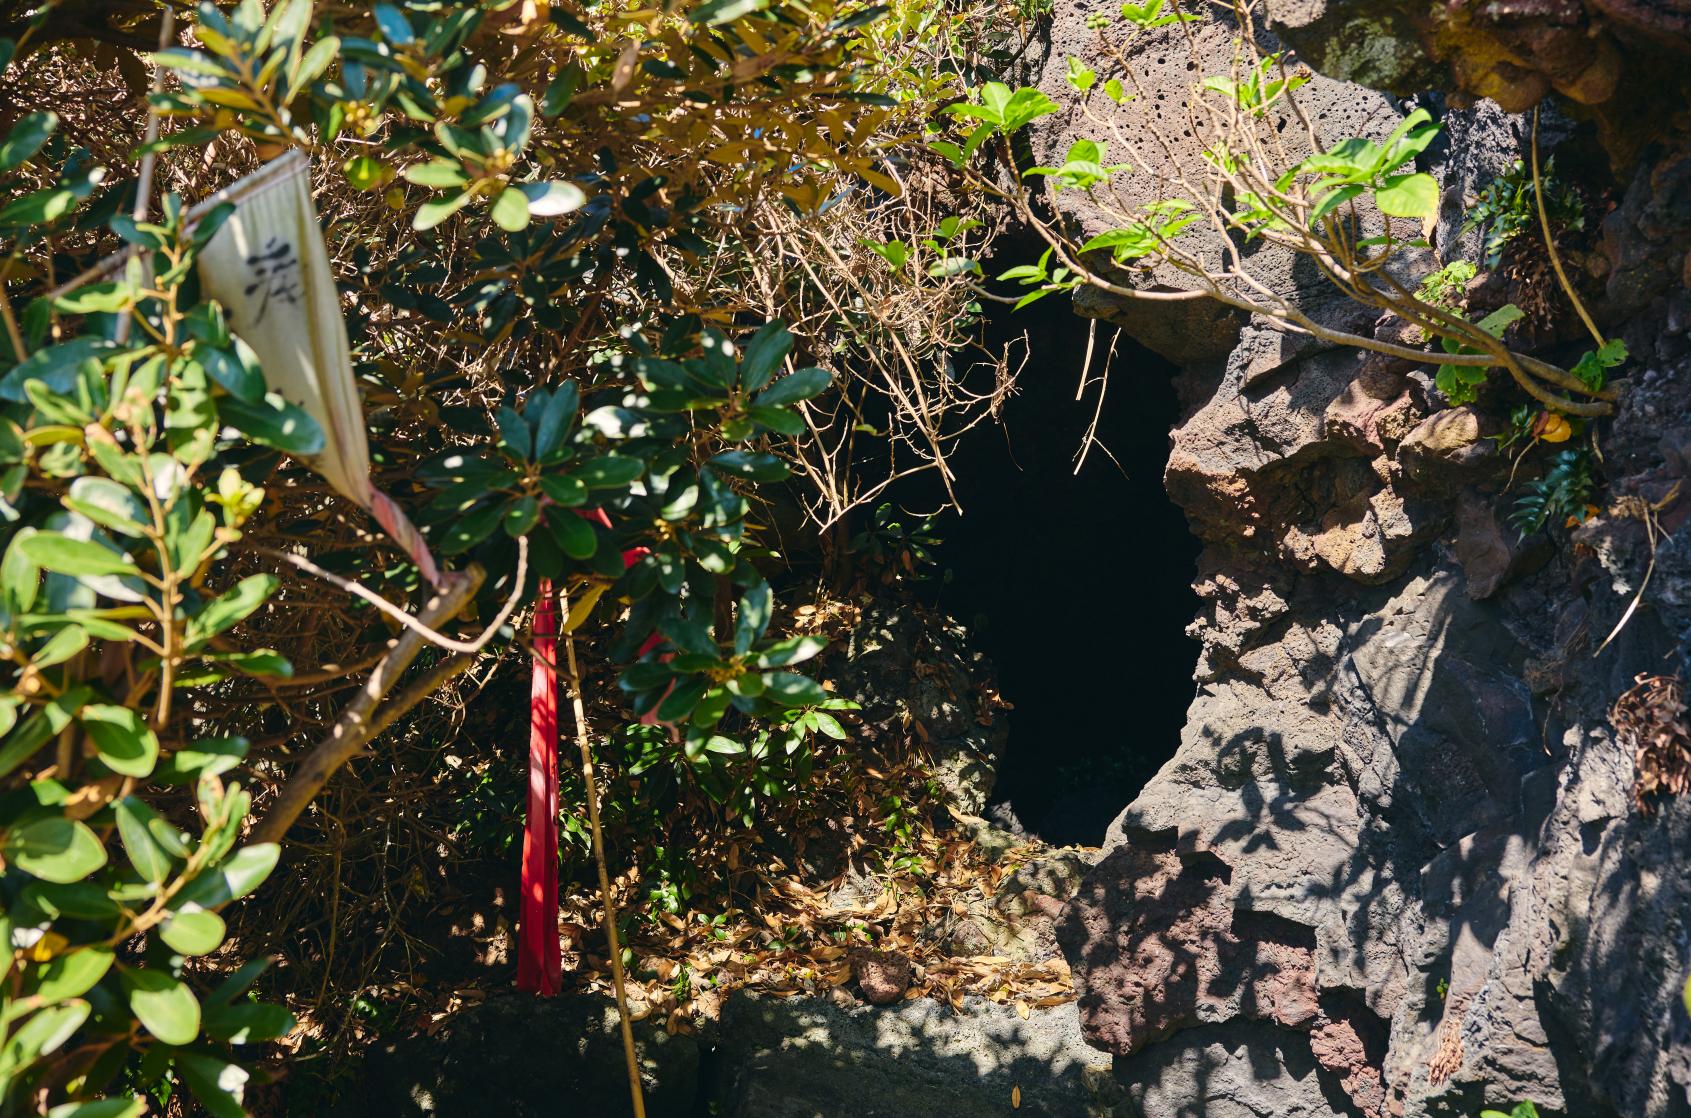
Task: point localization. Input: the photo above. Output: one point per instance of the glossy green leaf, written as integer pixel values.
(751, 465)
(55, 366)
(53, 551)
(521, 516)
(610, 471)
(26, 138)
(219, 1085)
(273, 422)
(802, 385)
(752, 618)
(566, 491)
(186, 61)
(260, 662)
(431, 214)
(575, 536)
(229, 608)
(149, 857)
(244, 1022)
(396, 29)
(37, 208)
(69, 975)
(101, 1108)
(763, 354)
(550, 199)
(99, 298)
(715, 13)
(679, 703)
(43, 1033)
(510, 210)
(794, 689)
(794, 650)
(109, 504)
(472, 528)
(1414, 196)
(193, 931)
(61, 646)
(125, 742)
(240, 874)
(438, 173)
(211, 757)
(54, 849)
(1501, 319)
(164, 1005)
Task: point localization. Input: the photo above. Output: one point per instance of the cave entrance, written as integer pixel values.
(1077, 586)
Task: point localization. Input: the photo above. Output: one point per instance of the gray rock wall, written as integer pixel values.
(1395, 867)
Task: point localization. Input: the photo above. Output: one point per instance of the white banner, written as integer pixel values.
(268, 267)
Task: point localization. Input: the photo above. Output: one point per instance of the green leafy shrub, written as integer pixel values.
(1508, 207)
(1353, 207)
(1562, 494)
(121, 828)
(1448, 287)
(535, 342)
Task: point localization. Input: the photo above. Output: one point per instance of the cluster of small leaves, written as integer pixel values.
(999, 111)
(1529, 426)
(1042, 277)
(1593, 366)
(1448, 287)
(1508, 207)
(639, 496)
(410, 80)
(125, 486)
(1264, 84)
(1561, 496)
(896, 545)
(1314, 189)
(1355, 167)
(1151, 15)
(1519, 1110)
(1347, 205)
(1461, 384)
(1083, 168)
(945, 248)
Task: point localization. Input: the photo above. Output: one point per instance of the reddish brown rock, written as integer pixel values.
(882, 976)
(1343, 1047)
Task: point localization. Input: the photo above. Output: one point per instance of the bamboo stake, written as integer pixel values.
(144, 186)
(1550, 240)
(583, 742)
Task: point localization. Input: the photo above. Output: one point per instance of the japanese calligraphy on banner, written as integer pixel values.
(268, 267)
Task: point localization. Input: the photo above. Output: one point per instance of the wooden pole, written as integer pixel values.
(583, 742)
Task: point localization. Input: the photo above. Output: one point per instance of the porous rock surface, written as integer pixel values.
(1395, 867)
(767, 1057)
(810, 1058)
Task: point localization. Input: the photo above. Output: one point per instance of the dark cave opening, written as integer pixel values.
(1077, 586)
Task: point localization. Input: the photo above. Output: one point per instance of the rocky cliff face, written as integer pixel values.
(1397, 866)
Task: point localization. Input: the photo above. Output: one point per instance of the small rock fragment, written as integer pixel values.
(882, 976)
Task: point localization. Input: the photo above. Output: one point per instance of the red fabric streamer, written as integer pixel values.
(539, 955)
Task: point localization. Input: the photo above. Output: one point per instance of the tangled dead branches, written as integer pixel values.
(1650, 719)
